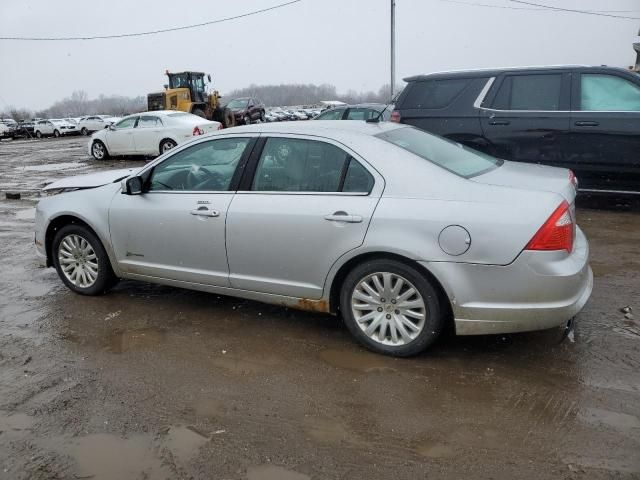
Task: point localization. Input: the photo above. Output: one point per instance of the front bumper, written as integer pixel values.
(539, 290)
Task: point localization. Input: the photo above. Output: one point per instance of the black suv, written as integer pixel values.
(583, 118)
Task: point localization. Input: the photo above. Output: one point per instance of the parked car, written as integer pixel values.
(578, 117)
(54, 127)
(9, 129)
(26, 128)
(363, 111)
(149, 133)
(93, 123)
(401, 231)
(5, 131)
(280, 114)
(247, 110)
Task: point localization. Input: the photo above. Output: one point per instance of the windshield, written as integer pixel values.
(238, 103)
(447, 154)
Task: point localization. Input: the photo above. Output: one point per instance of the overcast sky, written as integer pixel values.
(341, 42)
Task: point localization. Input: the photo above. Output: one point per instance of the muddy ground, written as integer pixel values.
(157, 382)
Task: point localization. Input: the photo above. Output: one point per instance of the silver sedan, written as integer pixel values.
(399, 231)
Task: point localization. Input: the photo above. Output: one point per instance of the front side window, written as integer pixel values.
(126, 123)
(334, 114)
(207, 166)
(540, 92)
(297, 165)
(238, 103)
(608, 93)
(149, 122)
(434, 93)
(451, 156)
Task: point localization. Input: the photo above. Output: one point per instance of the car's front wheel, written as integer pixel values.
(56, 133)
(84, 131)
(99, 151)
(81, 261)
(38, 134)
(391, 308)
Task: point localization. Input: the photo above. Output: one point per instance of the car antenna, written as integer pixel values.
(377, 119)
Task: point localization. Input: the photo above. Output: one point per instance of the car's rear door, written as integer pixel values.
(525, 117)
(605, 127)
(175, 229)
(304, 202)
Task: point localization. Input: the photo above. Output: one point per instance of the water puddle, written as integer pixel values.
(247, 363)
(15, 424)
(208, 407)
(138, 339)
(329, 431)
(358, 361)
(52, 167)
(618, 421)
(434, 450)
(273, 472)
(26, 214)
(184, 442)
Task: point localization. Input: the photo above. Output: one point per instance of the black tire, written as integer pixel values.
(262, 118)
(247, 120)
(96, 147)
(105, 278)
(166, 145)
(84, 131)
(38, 134)
(56, 133)
(199, 113)
(434, 314)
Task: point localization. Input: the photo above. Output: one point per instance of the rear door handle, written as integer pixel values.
(205, 212)
(587, 124)
(499, 122)
(343, 217)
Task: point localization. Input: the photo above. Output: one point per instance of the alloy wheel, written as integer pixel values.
(388, 308)
(78, 261)
(98, 150)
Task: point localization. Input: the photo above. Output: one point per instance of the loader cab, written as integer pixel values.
(193, 81)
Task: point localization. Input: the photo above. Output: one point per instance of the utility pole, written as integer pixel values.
(393, 47)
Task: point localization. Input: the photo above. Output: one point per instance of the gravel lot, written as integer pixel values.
(156, 382)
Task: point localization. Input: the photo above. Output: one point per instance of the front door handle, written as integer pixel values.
(587, 124)
(205, 212)
(343, 217)
(499, 122)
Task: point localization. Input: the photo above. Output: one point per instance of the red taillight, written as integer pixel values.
(219, 126)
(197, 131)
(395, 116)
(557, 232)
(573, 179)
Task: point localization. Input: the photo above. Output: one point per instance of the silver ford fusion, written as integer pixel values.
(398, 230)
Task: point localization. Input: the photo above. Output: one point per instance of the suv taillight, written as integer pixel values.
(557, 232)
(395, 116)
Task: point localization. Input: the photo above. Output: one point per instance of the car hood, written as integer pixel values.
(530, 176)
(91, 180)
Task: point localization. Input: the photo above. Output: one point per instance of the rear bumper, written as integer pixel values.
(539, 290)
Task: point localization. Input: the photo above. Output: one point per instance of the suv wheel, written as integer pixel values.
(391, 308)
(56, 133)
(38, 134)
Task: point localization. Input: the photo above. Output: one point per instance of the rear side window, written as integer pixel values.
(334, 114)
(451, 156)
(608, 93)
(434, 93)
(298, 165)
(529, 92)
(361, 114)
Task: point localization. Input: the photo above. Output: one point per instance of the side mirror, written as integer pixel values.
(111, 126)
(209, 77)
(131, 186)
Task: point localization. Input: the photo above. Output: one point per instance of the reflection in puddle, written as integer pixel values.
(359, 361)
(273, 472)
(184, 442)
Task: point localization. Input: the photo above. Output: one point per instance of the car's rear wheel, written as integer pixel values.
(56, 133)
(262, 116)
(81, 261)
(167, 145)
(99, 151)
(247, 120)
(391, 308)
(84, 131)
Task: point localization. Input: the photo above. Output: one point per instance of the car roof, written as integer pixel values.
(329, 128)
(492, 72)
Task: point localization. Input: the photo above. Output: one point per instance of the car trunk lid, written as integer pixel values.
(531, 177)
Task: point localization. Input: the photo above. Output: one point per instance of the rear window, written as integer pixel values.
(434, 93)
(179, 114)
(451, 156)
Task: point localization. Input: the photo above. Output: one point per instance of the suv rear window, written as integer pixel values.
(451, 156)
(434, 93)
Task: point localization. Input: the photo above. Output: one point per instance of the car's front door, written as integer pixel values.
(147, 135)
(308, 203)
(605, 126)
(120, 140)
(528, 118)
(175, 229)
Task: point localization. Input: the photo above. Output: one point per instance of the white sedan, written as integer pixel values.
(93, 123)
(148, 133)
